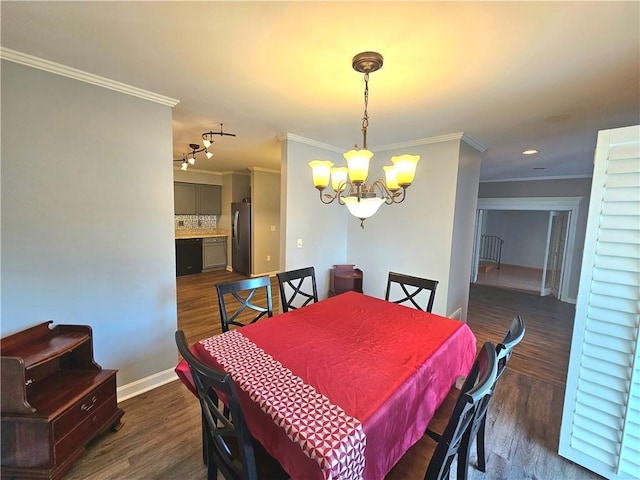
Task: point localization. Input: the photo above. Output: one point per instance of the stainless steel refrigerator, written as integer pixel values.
(241, 238)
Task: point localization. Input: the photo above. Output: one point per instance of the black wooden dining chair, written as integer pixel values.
(297, 288)
(514, 336)
(227, 443)
(241, 295)
(476, 393)
(420, 287)
(503, 352)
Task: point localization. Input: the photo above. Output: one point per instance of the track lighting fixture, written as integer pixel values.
(207, 140)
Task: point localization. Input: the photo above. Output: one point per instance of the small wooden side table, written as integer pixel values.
(344, 278)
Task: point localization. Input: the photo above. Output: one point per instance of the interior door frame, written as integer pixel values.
(544, 289)
(545, 204)
(476, 245)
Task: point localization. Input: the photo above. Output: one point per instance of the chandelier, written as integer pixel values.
(207, 140)
(349, 183)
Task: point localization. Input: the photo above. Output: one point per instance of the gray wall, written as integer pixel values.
(418, 237)
(87, 217)
(524, 234)
(575, 187)
(265, 197)
(464, 221)
(322, 228)
(240, 187)
(192, 175)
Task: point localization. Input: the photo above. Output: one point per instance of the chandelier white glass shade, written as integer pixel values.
(349, 183)
(207, 140)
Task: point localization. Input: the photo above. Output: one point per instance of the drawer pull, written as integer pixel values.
(86, 408)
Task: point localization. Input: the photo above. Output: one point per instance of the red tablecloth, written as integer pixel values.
(341, 388)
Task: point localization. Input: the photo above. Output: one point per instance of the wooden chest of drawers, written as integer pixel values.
(55, 399)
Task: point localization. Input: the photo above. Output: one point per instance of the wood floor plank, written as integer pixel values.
(197, 300)
(161, 436)
(514, 277)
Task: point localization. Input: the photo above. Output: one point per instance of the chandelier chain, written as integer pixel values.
(365, 117)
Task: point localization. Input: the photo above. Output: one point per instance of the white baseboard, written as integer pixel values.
(271, 274)
(145, 384)
(264, 274)
(457, 315)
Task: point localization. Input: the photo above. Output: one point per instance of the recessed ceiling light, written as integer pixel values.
(558, 118)
(530, 151)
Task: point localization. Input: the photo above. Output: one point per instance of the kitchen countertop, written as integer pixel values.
(200, 233)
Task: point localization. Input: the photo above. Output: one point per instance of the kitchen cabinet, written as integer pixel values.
(208, 199)
(184, 198)
(196, 199)
(55, 399)
(214, 253)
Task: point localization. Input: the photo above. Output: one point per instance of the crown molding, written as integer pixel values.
(261, 169)
(394, 146)
(74, 73)
(429, 140)
(308, 141)
(528, 203)
(472, 142)
(537, 179)
(196, 170)
(236, 172)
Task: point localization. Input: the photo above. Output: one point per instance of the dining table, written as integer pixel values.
(342, 388)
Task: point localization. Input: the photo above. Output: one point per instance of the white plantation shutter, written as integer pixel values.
(601, 417)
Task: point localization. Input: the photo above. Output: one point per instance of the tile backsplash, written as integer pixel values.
(195, 221)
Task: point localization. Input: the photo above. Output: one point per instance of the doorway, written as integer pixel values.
(560, 237)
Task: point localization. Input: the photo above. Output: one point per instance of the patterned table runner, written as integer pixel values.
(324, 432)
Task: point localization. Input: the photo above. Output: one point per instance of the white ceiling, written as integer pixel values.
(511, 75)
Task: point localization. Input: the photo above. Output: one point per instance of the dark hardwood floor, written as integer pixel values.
(161, 435)
(198, 313)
